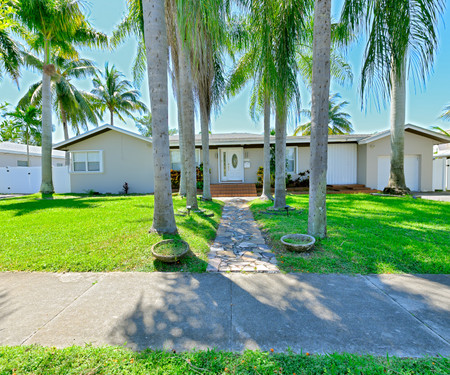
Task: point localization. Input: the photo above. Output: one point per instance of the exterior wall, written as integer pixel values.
(125, 159)
(414, 145)
(256, 158)
(362, 165)
(10, 160)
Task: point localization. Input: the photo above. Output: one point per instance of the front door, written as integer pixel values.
(232, 164)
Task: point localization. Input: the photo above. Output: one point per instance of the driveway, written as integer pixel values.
(443, 196)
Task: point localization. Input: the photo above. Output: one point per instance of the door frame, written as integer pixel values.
(220, 164)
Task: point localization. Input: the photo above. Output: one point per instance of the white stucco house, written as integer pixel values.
(106, 157)
(15, 155)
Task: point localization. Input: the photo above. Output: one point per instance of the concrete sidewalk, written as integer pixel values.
(403, 315)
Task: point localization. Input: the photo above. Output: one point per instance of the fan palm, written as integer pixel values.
(339, 121)
(402, 37)
(26, 122)
(72, 105)
(53, 24)
(116, 95)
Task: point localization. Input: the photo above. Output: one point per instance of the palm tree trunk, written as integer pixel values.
(187, 100)
(317, 220)
(267, 189)
(182, 190)
(205, 150)
(66, 132)
(28, 147)
(397, 184)
(157, 59)
(280, 158)
(47, 71)
(112, 117)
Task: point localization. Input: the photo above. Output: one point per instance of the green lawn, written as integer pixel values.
(98, 233)
(366, 234)
(112, 360)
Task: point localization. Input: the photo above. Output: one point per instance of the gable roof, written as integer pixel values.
(241, 139)
(437, 137)
(94, 132)
(21, 149)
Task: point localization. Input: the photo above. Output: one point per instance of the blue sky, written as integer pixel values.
(423, 104)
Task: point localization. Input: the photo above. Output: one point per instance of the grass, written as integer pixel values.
(172, 248)
(100, 233)
(366, 234)
(117, 360)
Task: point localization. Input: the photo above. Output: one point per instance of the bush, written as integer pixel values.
(176, 175)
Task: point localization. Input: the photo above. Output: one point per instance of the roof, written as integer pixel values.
(94, 132)
(21, 149)
(435, 136)
(241, 139)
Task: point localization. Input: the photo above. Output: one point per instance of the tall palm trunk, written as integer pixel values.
(157, 59)
(317, 220)
(397, 183)
(188, 122)
(66, 132)
(204, 118)
(47, 71)
(182, 190)
(267, 189)
(112, 117)
(280, 158)
(28, 146)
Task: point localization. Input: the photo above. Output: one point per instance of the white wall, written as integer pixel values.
(441, 174)
(11, 159)
(342, 163)
(27, 180)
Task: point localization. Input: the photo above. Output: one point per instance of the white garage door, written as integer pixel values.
(412, 171)
(341, 164)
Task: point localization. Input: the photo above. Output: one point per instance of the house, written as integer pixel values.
(106, 157)
(441, 167)
(15, 155)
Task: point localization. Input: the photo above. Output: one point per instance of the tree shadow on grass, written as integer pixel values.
(29, 206)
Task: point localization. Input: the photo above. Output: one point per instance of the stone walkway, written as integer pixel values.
(239, 245)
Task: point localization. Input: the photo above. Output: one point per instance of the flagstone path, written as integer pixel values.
(239, 245)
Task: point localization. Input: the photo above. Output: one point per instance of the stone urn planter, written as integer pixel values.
(170, 251)
(298, 242)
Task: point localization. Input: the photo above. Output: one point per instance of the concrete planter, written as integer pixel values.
(169, 258)
(308, 245)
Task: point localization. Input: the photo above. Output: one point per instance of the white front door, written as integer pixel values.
(231, 164)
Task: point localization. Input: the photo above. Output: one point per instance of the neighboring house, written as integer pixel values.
(441, 167)
(15, 155)
(104, 158)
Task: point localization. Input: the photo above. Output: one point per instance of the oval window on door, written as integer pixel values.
(234, 161)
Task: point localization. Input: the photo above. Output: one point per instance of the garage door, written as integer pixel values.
(341, 164)
(412, 171)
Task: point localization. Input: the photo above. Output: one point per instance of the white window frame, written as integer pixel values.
(198, 155)
(86, 152)
(295, 160)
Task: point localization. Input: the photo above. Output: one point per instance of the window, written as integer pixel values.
(22, 163)
(291, 159)
(87, 162)
(175, 159)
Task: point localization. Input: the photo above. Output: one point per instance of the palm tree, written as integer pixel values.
(62, 24)
(144, 126)
(339, 121)
(9, 51)
(72, 105)
(402, 37)
(206, 47)
(445, 113)
(26, 122)
(157, 59)
(116, 95)
(317, 218)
